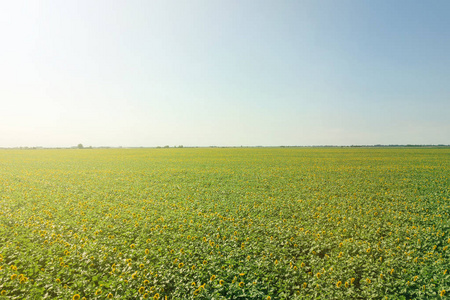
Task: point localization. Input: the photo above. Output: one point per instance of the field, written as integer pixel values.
(260, 223)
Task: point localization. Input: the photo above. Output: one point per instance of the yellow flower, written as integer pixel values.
(368, 280)
(338, 284)
(146, 282)
(141, 266)
(392, 271)
(156, 296)
(221, 282)
(415, 277)
(180, 265)
(318, 275)
(110, 296)
(268, 298)
(147, 251)
(242, 274)
(134, 275)
(76, 297)
(442, 293)
(346, 284)
(381, 275)
(141, 290)
(3, 293)
(302, 265)
(241, 284)
(145, 296)
(98, 292)
(132, 246)
(352, 280)
(212, 278)
(305, 285)
(58, 280)
(13, 276)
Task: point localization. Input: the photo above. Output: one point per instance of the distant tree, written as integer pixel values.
(166, 146)
(181, 146)
(80, 146)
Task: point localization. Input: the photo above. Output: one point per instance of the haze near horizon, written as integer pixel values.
(224, 73)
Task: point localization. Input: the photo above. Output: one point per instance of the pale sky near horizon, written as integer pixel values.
(224, 73)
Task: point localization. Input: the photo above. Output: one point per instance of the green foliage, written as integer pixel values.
(225, 223)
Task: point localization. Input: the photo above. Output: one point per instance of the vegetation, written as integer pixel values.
(225, 223)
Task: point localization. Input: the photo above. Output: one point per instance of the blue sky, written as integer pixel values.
(224, 73)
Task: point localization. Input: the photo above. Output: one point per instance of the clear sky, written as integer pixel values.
(224, 73)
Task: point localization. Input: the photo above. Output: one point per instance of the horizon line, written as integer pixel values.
(234, 146)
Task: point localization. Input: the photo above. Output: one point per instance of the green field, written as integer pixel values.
(250, 223)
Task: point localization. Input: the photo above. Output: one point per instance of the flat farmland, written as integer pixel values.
(225, 223)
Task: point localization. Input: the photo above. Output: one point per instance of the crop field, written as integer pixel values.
(234, 223)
